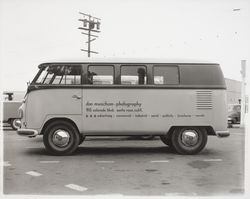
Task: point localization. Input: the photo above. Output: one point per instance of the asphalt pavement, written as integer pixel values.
(124, 166)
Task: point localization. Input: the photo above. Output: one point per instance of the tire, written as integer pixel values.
(13, 123)
(189, 140)
(82, 138)
(61, 138)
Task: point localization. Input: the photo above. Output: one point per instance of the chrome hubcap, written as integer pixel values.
(189, 138)
(17, 123)
(61, 138)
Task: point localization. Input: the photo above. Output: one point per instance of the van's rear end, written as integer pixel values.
(212, 96)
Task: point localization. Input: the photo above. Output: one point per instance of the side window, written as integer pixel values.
(166, 75)
(60, 74)
(72, 75)
(133, 75)
(100, 74)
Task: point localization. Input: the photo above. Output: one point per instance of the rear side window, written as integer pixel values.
(60, 74)
(133, 75)
(100, 74)
(207, 74)
(166, 75)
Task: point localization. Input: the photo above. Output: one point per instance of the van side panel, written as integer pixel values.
(45, 104)
(128, 111)
(150, 111)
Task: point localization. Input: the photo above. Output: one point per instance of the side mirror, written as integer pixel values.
(28, 83)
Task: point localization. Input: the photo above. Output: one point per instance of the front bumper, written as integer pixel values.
(222, 134)
(27, 132)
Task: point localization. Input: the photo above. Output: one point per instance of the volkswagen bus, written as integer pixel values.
(183, 102)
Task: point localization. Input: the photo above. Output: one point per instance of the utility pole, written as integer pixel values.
(90, 25)
(243, 94)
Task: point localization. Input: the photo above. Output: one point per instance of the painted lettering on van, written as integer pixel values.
(124, 109)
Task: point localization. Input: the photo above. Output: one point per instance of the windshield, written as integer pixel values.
(60, 74)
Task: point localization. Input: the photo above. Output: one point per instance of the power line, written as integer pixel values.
(89, 24)
(90, 35)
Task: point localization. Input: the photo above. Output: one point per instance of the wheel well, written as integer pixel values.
(58, 119)
(9, 120)
(209, 129)
(170, 131)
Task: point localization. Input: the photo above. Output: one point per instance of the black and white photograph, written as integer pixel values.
(124, 98)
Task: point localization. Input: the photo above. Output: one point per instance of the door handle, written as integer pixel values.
(76, 96)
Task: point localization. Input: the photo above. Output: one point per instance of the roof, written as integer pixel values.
(132, 60)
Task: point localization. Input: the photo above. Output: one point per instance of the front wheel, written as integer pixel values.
(61, 138)
(189, 140)
(14, 123)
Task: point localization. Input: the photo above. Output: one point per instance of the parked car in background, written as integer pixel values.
(10, 110)
(233, 114)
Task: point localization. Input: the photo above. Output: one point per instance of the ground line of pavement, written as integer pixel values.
(34, 173)
(103, 161)
(212, 160)
(159, 161)
(76, 187)
(48, 161)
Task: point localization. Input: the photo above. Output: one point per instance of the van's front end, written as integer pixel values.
(24, 129)
(52, 107)
(26, 110)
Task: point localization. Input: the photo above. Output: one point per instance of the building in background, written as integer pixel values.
(233, 91)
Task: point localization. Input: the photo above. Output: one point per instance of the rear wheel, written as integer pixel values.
(189, 140)
(61, 138)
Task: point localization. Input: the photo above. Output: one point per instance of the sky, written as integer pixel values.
(36, 31)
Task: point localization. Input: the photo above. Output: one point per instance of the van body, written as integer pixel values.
(182, 102)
